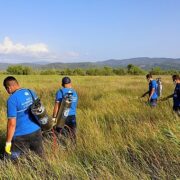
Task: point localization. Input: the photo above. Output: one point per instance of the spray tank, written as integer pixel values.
(159, 87)
(40, 114)
(64, 110)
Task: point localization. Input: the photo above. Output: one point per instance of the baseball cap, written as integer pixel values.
(66, 80)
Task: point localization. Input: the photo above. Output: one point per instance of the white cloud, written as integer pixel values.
(18, 52)
(9, 47)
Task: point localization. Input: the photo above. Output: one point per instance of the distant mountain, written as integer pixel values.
(143, 62)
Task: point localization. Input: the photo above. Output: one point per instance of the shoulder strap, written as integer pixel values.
(63, 93)
(31, 95)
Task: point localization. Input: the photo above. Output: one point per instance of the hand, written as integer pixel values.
(54, 120)
(8, 148)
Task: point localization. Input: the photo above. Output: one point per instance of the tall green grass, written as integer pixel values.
(118, 135)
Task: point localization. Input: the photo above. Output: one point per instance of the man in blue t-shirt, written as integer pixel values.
(152, 91)
(23, 134)
(70, 121)
(175, 95)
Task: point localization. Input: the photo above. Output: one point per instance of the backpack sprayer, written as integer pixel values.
(64, 109)
(40, 114)
(159, 87)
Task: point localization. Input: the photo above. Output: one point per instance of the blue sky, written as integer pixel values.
(94, 30)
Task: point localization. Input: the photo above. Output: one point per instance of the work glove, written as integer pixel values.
(54, 120)
(8, 148)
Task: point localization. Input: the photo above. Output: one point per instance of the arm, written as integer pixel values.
(11, 125)
(152, 92)
(56, 108)
(57, 103)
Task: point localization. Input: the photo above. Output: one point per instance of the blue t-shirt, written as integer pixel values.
(61, 93)
(153, 84)
(176, 96)
(18, 107)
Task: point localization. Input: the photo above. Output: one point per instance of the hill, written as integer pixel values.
(143, 62)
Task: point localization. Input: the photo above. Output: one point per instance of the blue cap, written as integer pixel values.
(66, 80)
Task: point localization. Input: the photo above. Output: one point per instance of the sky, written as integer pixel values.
(88, 30)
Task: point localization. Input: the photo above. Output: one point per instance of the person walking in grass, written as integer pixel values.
(70, 121)
(175, 95)
(23, 134)
(152, 100)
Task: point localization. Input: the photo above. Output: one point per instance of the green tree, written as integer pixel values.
(120, 71)
(135, 70)
(19, 70)
(157, 71)
(79, 71)
(130, 67)
(107, 71)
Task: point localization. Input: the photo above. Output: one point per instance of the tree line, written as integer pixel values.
(104, 71)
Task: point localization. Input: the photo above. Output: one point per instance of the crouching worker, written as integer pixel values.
(23, 134)
(175, 95)
(152, 92)
(64, 112)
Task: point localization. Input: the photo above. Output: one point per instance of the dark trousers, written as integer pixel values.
(22, 144)
(153, 102)
(70, 126)
(176, 109)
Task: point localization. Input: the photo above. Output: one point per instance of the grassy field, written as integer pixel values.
(119, 136)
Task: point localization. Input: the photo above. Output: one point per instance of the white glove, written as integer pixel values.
(54, 120)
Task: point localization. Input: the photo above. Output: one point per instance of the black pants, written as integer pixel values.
(22, 144)
(70, 125)
(176, 109)
(153, 102)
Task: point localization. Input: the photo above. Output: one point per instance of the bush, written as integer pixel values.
(79, 71)
(135, 70)
(157, 71)
(19, 70)
(120, 71)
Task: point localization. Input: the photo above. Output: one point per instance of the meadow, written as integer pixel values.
(118, 135)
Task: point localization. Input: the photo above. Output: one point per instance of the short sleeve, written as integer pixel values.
(59, 96)
(11, 109)
(154, 84)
